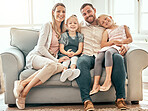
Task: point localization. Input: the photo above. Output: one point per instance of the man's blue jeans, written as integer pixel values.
(85, 63)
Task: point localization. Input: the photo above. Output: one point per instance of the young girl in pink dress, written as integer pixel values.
(112, 36)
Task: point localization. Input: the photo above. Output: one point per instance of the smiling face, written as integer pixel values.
(59, 13)
(72, 24)
(89, 14)
(105, 21)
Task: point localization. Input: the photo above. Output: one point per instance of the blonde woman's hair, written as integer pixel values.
(54, 25)
(74, 16)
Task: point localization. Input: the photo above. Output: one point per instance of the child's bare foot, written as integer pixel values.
(106, 86)
(95, 89)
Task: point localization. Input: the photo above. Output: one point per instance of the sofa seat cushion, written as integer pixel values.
(53, 81)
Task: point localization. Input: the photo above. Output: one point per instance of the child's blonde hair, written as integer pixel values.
(102, 16)
(74, 16)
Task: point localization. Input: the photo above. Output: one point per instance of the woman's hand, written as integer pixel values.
(64, 58)
(124, 48)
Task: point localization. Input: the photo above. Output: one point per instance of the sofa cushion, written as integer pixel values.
(24, 39)
(53, 81)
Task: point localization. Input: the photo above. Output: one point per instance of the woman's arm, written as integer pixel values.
(64, 58)
(104, 41)
(80, 49)
(128, 35)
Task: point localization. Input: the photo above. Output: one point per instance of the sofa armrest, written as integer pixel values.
(12, 65)
(136, 60)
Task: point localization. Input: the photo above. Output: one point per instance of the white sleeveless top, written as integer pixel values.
(115, 34)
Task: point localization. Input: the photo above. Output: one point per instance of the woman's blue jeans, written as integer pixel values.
(85, 63)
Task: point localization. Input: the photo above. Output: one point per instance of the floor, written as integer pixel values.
(65, 107)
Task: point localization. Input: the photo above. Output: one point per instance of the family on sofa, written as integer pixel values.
(54, 52)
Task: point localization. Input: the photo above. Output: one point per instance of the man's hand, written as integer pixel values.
(124, 48)
(64, 58)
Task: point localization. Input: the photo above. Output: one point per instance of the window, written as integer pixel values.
(132, 13)
(14, 12)
(144, 16)
(31, 14)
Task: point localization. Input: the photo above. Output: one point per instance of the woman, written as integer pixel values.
(43, 56)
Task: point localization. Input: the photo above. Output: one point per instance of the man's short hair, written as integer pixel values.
(85, 4)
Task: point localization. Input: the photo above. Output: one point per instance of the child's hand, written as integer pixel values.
(70, 53)
(117, 42)
(124, 48)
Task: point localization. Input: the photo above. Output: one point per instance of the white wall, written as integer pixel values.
(101, 6)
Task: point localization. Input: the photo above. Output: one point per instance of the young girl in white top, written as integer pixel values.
(112, 36)
(71, 45)
(43, 56)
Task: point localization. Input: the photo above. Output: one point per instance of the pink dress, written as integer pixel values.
(115, 34)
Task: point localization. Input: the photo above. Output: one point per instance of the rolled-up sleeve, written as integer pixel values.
(63, 39)
(81, 37)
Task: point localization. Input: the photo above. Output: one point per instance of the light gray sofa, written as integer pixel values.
(54, 91)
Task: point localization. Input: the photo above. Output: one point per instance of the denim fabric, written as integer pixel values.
(119, 75)
(86, 63)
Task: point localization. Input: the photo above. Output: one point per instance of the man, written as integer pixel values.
(92, 39)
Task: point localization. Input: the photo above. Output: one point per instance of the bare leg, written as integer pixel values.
(31, 84)
(107, 84)
(26, 81)
(73, 66)
(96, 85)
(39, 83)
(108, 63)
(73, 62)
(47, 69)
(65, 64)
(59, 69)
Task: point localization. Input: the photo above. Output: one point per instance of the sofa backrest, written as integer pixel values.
(24, 39)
